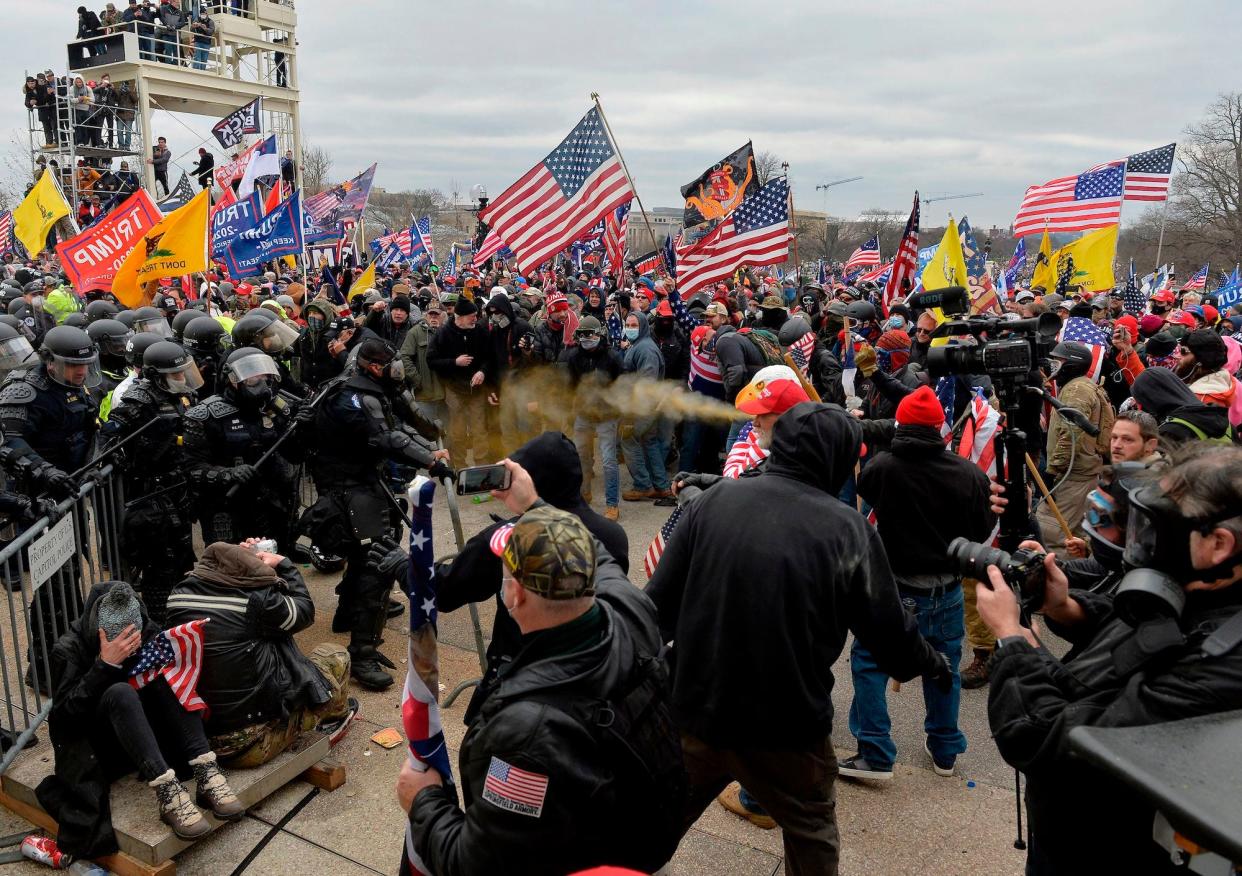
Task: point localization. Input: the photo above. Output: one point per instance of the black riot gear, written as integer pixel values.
(101, 309)
(65, 350)
(151, 319)
(252, 377)
(168, 366)
(15, 350)
(136, 346)
(183, 319)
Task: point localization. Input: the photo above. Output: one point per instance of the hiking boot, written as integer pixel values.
(638, 495)
(731, 798)
(612, 512)
(856, 767)
(176, 808)
(213, 791)
(942, 767)
(662, 494)
(976, 674)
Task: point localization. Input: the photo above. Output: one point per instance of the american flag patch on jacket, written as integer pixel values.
(515, 789)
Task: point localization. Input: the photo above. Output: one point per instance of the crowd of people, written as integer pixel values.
(810, 452)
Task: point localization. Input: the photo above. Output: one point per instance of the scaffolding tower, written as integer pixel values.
(251, 51)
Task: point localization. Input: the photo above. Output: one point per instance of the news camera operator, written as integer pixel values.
(1166, 645)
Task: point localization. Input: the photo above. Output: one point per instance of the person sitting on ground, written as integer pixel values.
(104, 728)
(262, 690)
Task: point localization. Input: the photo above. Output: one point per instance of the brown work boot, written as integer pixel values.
(638, 495)
(176, 808)
(976, 674)
(612, 512)
(213, 790)
(731, 798)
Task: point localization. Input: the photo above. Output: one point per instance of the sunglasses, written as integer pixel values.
(922, 331)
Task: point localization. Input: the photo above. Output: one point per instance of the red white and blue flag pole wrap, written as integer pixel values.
(420, 708)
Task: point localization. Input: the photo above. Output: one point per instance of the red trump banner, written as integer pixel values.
(91, 259)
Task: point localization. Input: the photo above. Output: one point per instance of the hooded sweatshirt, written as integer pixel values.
(758, 622)
(1179, 412)
(643, 356)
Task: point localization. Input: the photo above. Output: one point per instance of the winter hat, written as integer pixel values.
(118, 609)
(556, 301)
(896, 343)
(1208, 348)
(1150, 325)
(400, 302)
(1160, 345)
(920, 408)
(1131, 325)
(464, 306)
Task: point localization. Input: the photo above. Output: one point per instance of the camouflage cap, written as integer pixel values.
(550, 552)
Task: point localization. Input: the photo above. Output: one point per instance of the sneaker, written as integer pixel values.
(337, 728)
(856, 767)
(612, 512)
(637, 495)
(942, 767)
(731, 798)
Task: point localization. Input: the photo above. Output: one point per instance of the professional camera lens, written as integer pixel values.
(973, 558)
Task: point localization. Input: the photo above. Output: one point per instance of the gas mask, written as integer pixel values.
(254, 393)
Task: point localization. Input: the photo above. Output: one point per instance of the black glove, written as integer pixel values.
(305, 418)
(58, 483)
(241, 474)
(702, 480)
(942, 675)
(441, 470)
(388, 558)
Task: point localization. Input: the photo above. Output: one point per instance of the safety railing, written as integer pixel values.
(46, 572)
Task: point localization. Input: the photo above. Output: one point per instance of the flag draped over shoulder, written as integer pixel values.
(420, 709)
(1092, 256)
(719, 189)
(173, 247)
(41, 209)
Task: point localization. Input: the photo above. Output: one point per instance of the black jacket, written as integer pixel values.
(758, 622)
(76, 795)
(924, 497)
(449, 343)
(1166, 397)
(584, 805)
(506, 342)
(826, 375)
(739, 360)
(253, 671)
(1081, 820)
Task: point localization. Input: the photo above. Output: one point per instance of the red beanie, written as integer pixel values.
(920, 408)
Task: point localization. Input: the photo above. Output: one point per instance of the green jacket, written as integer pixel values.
(1089, 454)
(422, 381)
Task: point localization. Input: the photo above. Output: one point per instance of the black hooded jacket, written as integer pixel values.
(924, 497)
(506, 350)
(1166, 397)
(758, 622)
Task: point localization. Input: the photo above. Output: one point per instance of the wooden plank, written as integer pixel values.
(327, 775)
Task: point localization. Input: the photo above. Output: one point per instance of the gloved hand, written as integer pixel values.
(865, 360)
(241, 474)
(942, 675)
(702, 480)
(58, 483)
(441, 471)
(388, 558)
(305, 418)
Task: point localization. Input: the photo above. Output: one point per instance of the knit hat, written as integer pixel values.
(1150, 324)
(1208, 348)
(920, 408)
(118, 609)
(556, 301)
(399, 302)
(1131, 325)
(896, 343)
(464, 306)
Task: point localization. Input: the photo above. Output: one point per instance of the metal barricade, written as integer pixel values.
(46, 572)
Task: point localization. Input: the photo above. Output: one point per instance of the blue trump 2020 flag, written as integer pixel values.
(276, 234)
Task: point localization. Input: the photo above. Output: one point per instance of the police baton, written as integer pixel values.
(236, 488)
(114, 448)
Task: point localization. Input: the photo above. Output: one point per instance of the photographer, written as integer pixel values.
(1165, 646)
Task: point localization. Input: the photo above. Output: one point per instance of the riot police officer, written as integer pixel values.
(225, 435)
(156, 529)
(110, 337)
(183, 319)
(15, 351)
(353, 510)
(100, 309)
(48, 416)
(207, 341)
(262, 329)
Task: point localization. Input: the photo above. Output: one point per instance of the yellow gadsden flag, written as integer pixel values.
(38, 212)
(1044, 275)
(174, 246)
(365, 281)
(1093, 260)
(946, 268)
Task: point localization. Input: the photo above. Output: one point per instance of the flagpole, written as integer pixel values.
(793, 225)
(630, 179)
(1160, 244)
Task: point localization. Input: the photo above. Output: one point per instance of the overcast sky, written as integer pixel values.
(947, 97)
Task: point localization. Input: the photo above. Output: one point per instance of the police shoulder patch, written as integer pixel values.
(198, 412)
(515, 790)
(17, 392)
(219, 408)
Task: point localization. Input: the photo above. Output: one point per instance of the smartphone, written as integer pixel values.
(482, 479)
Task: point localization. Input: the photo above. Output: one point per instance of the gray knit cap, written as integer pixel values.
(118, 609)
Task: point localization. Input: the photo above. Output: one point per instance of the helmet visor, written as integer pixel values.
(75, 373)
(254, 365)
(113, 345)
(156, 325)
(184, 380)
(14, 353)
(275, 337)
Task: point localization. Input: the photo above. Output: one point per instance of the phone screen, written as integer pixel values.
(482, 479)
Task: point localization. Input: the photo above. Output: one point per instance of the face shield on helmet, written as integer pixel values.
(75, 372)
(275, 337)
(15, 352)
(182, 380)
(253, 367)
(156, 325)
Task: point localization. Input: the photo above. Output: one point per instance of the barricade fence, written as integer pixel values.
(47, 570)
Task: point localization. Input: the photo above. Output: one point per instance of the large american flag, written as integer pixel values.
(491, 245)
(1148, 174)
(176, 654)
(1198, 281)
(878, 274)
(756, 233)
(1084, 331)
(906, 262)
(420, 710)
(616, 224)
(6, 231)
(562, 196)
(866, 254)
(1073, 203)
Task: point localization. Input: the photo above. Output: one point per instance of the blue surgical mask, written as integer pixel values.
(631, 334)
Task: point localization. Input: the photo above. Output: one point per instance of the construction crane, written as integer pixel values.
(927, 201)
(837, 182)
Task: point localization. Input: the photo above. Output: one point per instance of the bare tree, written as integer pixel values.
(767, 165)
(1207, 196)
(316, 162)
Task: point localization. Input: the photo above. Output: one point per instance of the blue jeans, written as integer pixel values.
(201, 47)
(942, 624)
(605, 432)
(731, 439)
(646, 450)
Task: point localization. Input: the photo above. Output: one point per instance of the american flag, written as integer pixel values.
(801, 350)
(562, 196)
(1148, 174)
(420, 710)
(745, 453)
(906, 262)
(491, 245)
(877, 275)
(1132, 297)
(1073, 203)
(866, 254)
(6, 232)
(977, 433)
(1198, 281)
(1084, 331)
(656, 549)
(176, 654)
(756, 233)
(616, 223)
(513, 789)
(420, 239)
